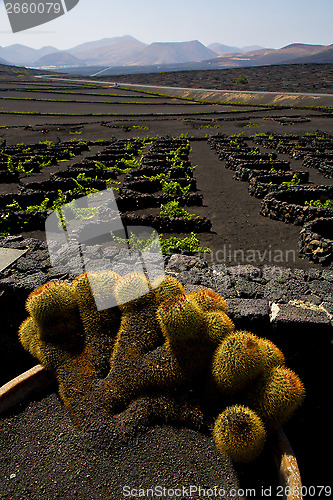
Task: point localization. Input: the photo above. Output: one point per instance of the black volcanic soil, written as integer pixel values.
(310, 78)
(42, 457)
(45, 457)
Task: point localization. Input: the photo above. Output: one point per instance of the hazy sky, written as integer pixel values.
(231, 22)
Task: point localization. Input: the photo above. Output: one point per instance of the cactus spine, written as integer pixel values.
(237, 361)
(276, 395)
(239, 433)
(54, 310)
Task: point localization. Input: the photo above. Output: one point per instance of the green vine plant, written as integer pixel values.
(84, 177)
(116, 168)
(160, 177)
(125, 165)
(169, 245)
(173, 187)
(295, 181)
(24, 167)
(173, 244)
(319, 204)
(5, 225)
(172, 209)
(20, 168)
(84, 190)
(150, 244)
(45, 204)
(174, 157)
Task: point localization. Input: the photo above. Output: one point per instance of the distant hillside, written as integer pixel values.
(312, 78)
(324, 57)
(285, 54)
(58, 59)
(13, 73)
(220, 49)
(128, 54)
(172, 52)
(109, 51)
(22, 55)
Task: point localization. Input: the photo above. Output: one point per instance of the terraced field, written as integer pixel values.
(50, 117)
(235, 189)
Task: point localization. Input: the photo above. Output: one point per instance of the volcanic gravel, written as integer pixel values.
(45, 457)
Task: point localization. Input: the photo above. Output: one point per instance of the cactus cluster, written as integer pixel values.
(144, 359)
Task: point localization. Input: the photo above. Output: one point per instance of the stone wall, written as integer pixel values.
(271, 301)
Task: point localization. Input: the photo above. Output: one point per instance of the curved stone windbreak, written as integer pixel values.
(257, 160)
(315, 159)
(316, 241)
(289, 205)
(260, 185)
(168, 224)
(129, 199)
(326, 169)
(154, 185)
(244, 171)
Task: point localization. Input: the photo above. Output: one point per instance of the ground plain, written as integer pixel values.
(33, 109)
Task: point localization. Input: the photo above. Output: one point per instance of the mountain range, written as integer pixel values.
(127, 52)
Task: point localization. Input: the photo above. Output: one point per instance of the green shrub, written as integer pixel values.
(319, 204)
(295, 181)
(173, 187)
(172, 209)
(241, 80)
(173, 244)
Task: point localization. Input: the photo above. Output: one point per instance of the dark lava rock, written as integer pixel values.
(179, 263)
(313, 274)
(248, 289)
(275, 291)
(323, 289)
(249, 314)
(290, 314)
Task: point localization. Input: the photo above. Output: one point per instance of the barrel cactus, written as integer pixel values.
(159, 354)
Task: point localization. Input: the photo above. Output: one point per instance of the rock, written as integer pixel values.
(323, 289)
(249, 314)
(178, 263)
(313, 273)
(275, 291)
(249, 289)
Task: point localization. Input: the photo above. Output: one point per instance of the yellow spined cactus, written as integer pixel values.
(28, 335)
(273, 355)
(276, 395)
(208, 300)
(218, 325)
(97, 287)
(237, 361)
(167, 289)
(132, 289)
(54, 309)
(122, 348)
(180, 320)
(240, 433)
